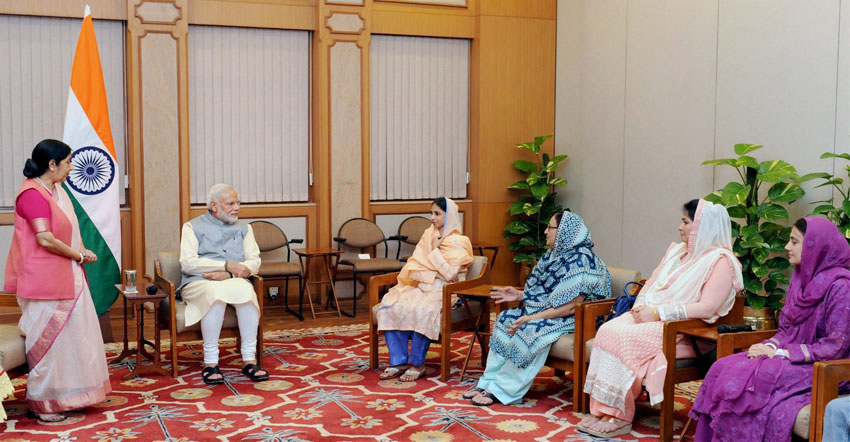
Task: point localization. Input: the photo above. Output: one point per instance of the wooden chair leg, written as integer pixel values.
(666, 422)
(445, 355)
(173, 353)
(683, 435)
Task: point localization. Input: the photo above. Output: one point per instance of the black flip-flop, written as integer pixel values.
(207, 374)
(487, 395)
(251, 370)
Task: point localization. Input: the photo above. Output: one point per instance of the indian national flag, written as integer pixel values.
(92, 184)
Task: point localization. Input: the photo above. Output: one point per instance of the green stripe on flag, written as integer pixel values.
(104, 273)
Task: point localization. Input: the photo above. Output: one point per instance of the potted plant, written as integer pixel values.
(839, 214)
(758, 237)
(535, 203)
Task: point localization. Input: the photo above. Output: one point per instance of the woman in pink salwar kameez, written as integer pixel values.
(65, 354)
(696, 279)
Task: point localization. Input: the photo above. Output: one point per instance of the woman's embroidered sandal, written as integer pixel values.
(471, 393)
(251, 370)
(619, 428)
(207, 374)
(47, 418)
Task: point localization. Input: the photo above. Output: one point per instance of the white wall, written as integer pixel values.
(647, 90)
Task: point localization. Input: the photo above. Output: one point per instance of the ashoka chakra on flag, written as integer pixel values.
(92, 170)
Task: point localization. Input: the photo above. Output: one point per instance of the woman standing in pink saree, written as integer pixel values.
(65, 354)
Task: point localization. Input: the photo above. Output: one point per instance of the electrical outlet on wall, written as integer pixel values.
(273, 292)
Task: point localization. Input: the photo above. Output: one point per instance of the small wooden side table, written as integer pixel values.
(330, 257)
(483, 292)
(481, 247)
(137, 301)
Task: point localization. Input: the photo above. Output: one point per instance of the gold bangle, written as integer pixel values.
(655, 313)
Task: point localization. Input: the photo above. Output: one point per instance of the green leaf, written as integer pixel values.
(823, 209)
(558, 182)
(558, 158)
(761, 254)
(540, 190)
(743, 149)
(778, 277)
(526, 241)
(721, 162)
(516, 208)
(542, 139)
(812, 176)
(523, 258)
(734, 194)
(759, 270)
(737, 211)
(777, 244)
(525, 166)
(775, 171)
(531, 208)
(714, 197)
(534, 177)
(778, 262)
(756, 302)
(772, 212)
(846, 206)
(753, 286)
(519, 185)
(517, 227)
(845, 156)
(775, 301)
(747, 161)
(514, 246)
(785, 192)
(754, 244)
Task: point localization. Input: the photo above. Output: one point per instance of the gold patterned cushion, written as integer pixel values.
(13, 352)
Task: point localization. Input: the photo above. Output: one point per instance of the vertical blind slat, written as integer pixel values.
(249, 124)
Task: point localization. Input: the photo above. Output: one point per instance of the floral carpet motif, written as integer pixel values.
(320, 389)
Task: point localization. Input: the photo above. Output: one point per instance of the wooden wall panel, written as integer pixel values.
(546, 9)
(100, 9)
(284, 14)
(427, 25)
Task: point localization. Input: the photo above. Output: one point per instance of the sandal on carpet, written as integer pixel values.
(588, 420)
(47, 418)
(253, 372)
(471, 393)
(207, 374)
(608, 428)
(412, 374)
(392, 373)
(484, 395)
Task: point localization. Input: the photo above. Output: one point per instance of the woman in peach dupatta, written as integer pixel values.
(410, 311)
(64, 347)
(698, 279)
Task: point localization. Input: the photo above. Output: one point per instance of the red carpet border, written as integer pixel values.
(320, 389)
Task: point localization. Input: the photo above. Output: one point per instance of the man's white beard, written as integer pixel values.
(227, 217)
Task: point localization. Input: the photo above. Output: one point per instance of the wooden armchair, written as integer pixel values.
(825, 379)
(678, 370)
(172, 316)
(453, 320)
(13, 352)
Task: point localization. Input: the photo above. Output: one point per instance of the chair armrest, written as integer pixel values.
(8, 300)
(162, 282)
(340, 239)
(397, 238)
(825, 379)
(375, 284)
(296, 241)
(735, 341)
(671, 330)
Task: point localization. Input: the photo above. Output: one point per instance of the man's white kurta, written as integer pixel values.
(200, 295)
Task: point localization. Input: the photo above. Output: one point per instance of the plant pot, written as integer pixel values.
(761, 319)
(524, 271)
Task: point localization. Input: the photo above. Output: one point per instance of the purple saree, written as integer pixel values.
(759, 399)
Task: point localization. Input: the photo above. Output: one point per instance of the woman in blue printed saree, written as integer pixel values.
(569, 273)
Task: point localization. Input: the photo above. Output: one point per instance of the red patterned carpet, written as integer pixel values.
(321, 388)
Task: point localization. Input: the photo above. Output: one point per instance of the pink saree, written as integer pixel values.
(64, 346)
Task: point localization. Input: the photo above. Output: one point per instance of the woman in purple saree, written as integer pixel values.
(757, 395)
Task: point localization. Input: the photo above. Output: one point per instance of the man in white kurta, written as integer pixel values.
(216, 258)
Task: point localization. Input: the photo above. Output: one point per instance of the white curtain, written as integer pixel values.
(419, 117)
(36, 55)
(249, 112)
